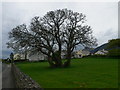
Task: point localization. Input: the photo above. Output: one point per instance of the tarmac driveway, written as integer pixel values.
(7, 77)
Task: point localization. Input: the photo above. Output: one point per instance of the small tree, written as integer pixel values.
(20, 40)
(12, 57)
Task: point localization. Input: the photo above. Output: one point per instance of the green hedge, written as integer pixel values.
(114, 53)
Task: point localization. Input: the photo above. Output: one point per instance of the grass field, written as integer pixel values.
(84, 73)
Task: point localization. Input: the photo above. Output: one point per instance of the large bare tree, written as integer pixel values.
(56, 31)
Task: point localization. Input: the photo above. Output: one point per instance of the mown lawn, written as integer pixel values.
(84, 73)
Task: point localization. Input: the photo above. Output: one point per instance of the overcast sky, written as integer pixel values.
(101, 16)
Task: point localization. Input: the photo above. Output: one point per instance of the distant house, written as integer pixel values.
(82, 53)
(22, 56)
(63, 54)
(101, 50)
(16, 57)
(78, 54)
(37, 57)
(31, 56)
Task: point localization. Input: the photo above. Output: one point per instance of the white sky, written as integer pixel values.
(101, 16)
(60, 0)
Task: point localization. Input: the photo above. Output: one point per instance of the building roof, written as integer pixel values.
(104, 46)
(87, 49)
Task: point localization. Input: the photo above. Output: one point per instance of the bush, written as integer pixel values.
(114, 53)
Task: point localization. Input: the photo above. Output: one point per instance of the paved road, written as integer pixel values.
(7, 77)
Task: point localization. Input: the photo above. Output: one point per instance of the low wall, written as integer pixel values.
(22, 80)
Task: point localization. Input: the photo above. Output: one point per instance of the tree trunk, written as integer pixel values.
(56, 58)
(25, 55)
(67, 63)
(59, 56)
(51, 62)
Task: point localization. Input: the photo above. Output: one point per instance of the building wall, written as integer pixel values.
(34, 57)
(37, 57)
(81, 53)
(102, 52)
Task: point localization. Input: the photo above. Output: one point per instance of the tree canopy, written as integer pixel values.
(57, 30)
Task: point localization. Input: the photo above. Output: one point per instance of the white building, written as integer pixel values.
(32, 56)
(101, 52)
(81, 53)
(37, 57)
(17, 57)
(63, 54)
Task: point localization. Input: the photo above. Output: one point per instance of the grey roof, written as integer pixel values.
(104, 46)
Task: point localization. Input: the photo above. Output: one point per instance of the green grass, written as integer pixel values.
(84, 73)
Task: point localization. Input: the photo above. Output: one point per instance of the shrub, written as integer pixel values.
(114, 53)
